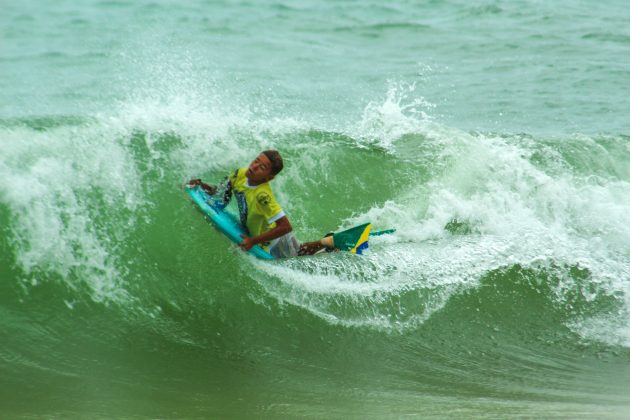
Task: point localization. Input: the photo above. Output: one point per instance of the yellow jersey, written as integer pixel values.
(258, 208)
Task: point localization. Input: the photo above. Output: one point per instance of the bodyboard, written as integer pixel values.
(224, 221)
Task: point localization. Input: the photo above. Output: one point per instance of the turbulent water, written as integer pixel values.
(493, 136)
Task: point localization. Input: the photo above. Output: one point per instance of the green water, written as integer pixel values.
(492, 136)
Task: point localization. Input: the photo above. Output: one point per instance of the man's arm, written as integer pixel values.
(283, 226)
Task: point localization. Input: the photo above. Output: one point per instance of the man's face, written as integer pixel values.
(259, 170)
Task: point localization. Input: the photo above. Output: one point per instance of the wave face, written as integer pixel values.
(504, 292)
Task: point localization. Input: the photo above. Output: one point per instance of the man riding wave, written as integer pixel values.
(260, 214)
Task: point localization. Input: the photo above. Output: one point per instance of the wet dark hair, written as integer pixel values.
(276, 161)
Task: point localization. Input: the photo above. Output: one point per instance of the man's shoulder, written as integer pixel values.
(264, 195)
(238, 176)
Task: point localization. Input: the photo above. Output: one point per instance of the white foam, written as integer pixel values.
(561, 218)
(45, 178)
(402, 112)
(522, 203)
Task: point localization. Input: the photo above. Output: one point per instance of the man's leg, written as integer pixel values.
(310, 248)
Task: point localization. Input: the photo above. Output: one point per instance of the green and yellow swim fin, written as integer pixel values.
(354, 239)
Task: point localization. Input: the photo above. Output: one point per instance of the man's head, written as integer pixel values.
(265, 167)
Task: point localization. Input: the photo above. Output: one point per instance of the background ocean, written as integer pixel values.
(494, 136)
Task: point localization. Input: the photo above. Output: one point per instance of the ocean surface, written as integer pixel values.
(493, 136)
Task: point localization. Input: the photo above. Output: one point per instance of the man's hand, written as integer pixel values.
(247, 243)
(210, 189)
(282, 227)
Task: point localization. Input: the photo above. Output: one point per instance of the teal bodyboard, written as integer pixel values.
(226, 222)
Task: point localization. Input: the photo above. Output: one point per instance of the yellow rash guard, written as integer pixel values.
(258, 208)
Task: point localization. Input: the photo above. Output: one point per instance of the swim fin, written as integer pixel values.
(354, 239)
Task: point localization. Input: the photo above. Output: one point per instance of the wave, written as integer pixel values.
(89, 203)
